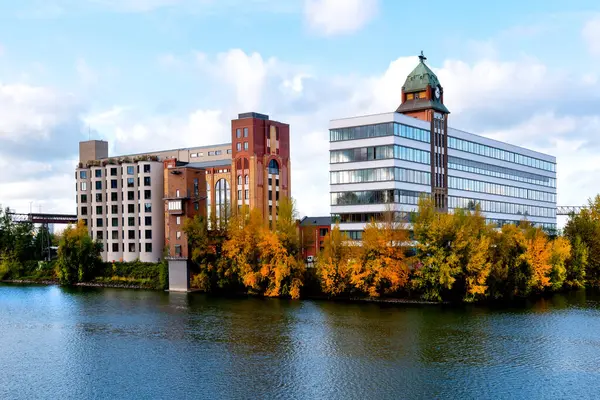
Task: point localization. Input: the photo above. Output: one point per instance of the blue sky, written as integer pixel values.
(146, 74)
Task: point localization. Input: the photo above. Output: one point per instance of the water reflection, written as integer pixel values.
(108, 343)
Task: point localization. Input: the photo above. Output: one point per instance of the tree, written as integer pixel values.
(538, 254)
(436, 265)
(586, 226)
(78, 255)
(332, 264)
(577, 264)
(560, 253)
(286, 227)
(509, 275)
(381, 267)
(281, 273)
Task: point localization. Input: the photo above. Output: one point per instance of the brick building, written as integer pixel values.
(312, 232)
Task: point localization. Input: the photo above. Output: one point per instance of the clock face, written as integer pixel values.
(437, 92)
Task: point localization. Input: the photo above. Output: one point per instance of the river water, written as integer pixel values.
(59, 343)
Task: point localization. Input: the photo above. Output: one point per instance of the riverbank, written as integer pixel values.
(82, 284)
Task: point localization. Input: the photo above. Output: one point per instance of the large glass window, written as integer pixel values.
(380, 153)
(146, 181)
(222, 199)
(376, 197)
(130, 182)
(476, 167)
(98, 173)
(379, 175)
(500, 190)
(505, 155)
(83, 174)
(501, 207)
(130, 170)
(385, 129)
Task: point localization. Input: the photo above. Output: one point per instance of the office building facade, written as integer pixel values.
(388, 161)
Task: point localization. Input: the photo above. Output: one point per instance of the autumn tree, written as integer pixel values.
(280, 272)
(436, 265)
(586, 226)
(333, 263)
(286, 227)
(381, 267)
(537, 255)
(560, 253)
(78, 255)
(510, 271)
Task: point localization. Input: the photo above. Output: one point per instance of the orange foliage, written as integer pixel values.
(538, 254)
(333, 263)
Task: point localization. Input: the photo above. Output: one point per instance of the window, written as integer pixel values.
(277, 195)
(131, 195)
(131, 234)
(178, 234)
(218, 153)
(196, 188)
(115, 247)
(98, 197)
(196, 206)
(194, 155)
(245, 132)
(100, 235)
(147, 194)
(130, 221)
(99, 222)
(113, 172)
(130, 208)
(247, 194)
(222, 198)
(148, 247)
(115, 222)
(228, 151)
(99, 210)
(177, 250)
(113, 184)
(247, 180)
(174, 205)
(239, 180)
(273, 167)
(114, 209)
(238, 146)
(132, 247)
(148, 207)
(98, 173)
(323, 232)
(115, 235)
(146, 181)
(130, 182)
(147, 221)
(83, 186)
(211, 153)
(245, 145)
(83, 174)
(147, 168)
(114, 196)
(148, 234)
(178, 220)
(130, 170)
(84, 198)
(98, 185)
(238, 133)
(239, 194)
(83, 210)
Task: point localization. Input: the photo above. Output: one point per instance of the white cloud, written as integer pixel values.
(591, 35)
(339, 17)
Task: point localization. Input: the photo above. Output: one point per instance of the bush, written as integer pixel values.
(137, 273)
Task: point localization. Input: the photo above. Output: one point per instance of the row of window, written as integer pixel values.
(500, 190)
(114, 196)
(501, 207)
(379, 175)
(114, 183)
(210, 153)
(131, 247)
(238, 132)
(99, 222)
(379, 153)
(499, 172)
(239, 146)
(492, 152)
(114, 209)
(130, 170)
(246, 180)
(376, 197)
(377, 130)
(501, 222)
(130, 234)
(397, 216)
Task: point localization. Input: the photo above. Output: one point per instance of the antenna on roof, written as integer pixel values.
(422, 57)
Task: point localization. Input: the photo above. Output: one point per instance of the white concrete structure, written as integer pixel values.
(384, 160)
(122, 205)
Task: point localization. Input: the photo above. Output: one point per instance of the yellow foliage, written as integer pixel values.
(333, 266)
(538, 254)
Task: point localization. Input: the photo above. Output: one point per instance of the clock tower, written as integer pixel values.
(423, 98)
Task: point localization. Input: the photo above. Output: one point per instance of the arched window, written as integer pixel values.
(222, 200)
(247, 180)
(240, 179)
(273, 167)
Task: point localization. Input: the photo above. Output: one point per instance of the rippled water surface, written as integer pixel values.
(61, 343)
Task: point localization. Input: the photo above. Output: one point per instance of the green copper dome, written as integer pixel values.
(420, 77)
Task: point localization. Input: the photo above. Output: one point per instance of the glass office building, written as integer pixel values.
(384, 161)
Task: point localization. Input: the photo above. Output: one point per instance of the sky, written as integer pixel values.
(155, 74)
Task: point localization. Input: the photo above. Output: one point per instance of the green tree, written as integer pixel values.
(577, 264)
(586, 226)
(78, 255)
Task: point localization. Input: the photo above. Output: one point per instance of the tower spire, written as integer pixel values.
(422, 57)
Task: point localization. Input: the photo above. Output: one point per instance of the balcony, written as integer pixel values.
(175, 207)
